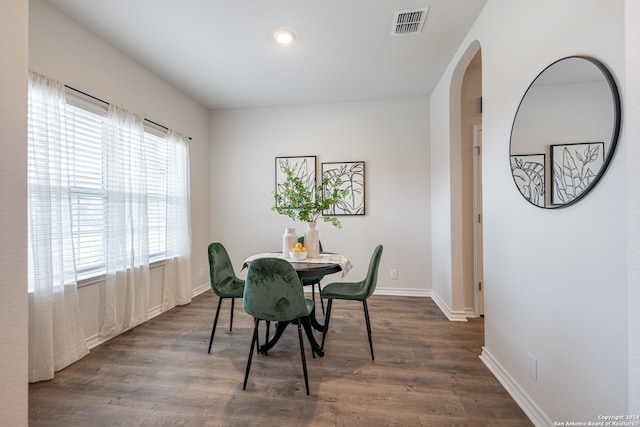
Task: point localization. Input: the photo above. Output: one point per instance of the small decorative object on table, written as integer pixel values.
(298, 252)
(312, 240)
(288, 241)
(300, 202)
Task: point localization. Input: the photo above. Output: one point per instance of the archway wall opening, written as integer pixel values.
(447, 182)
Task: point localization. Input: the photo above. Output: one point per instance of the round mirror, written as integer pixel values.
(564, 132)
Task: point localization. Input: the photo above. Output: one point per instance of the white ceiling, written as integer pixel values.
(222, 52)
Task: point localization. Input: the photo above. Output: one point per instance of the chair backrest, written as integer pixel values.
(372, 275)
(273, 291)
(301, 240)
(222, 277)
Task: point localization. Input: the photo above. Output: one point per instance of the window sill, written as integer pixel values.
(87, 281)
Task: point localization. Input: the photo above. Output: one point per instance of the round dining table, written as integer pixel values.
(304, 269)
(309, 269)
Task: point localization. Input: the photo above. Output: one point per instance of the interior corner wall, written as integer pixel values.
(390, 136)
(63, 50)
(555, 280)
(13, 213)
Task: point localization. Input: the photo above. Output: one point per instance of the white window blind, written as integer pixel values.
(88, 207)
(156, 192)
(85, 119)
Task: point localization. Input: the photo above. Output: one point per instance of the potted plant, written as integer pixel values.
(306, 203)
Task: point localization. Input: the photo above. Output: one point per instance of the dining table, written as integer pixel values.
(324, 264)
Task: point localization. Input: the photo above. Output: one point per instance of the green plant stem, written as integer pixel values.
(306, 204)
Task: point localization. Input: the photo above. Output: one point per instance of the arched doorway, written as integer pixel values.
(471, 159)
(466, 186)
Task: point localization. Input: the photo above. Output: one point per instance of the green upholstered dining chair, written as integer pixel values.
(313, 281)
(273, 292)
(355, 291)
(223, 281)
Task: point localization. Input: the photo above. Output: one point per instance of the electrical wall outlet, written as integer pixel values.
(394, 274)
(201, 273)
(532, 366)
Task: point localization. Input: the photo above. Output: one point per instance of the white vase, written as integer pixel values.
(312, 240)
(289, 239)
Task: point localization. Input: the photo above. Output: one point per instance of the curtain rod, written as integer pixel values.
(107, 103)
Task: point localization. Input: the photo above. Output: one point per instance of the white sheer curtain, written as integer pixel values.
(89, 186)
(127, 235)
(56, 334)
(177, 274)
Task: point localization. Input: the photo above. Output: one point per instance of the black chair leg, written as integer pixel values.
(253, 343)
(326, 322)
(215, 322)
(321, 300)
(266, 335)
(304, 361)
(313, 295)
(233, 300)
(366, 316)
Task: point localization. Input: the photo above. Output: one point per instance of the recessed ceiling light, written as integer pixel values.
(284, 37)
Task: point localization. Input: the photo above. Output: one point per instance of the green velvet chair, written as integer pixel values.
(313, 281)
(354, 291)
(223, 281)
(273, 292)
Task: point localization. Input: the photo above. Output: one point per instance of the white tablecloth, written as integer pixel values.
(342, 260)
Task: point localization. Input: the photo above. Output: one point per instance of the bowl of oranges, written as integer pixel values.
(298, 252)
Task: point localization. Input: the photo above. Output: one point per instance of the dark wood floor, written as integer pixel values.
(426, 373)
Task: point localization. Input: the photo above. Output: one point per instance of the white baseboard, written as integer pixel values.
(533, 411)
(201, 289)
(470, 313)
(95, 340)
(454, 316)
(403, 292)
(398, 292)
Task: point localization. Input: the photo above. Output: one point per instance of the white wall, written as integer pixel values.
(69, 53)
(555, 281)
(390, 136)
(632, 126)
(13, 212)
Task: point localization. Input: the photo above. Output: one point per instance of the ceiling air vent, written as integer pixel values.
(408, 21)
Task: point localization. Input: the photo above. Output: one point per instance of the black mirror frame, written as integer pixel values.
(614, 136)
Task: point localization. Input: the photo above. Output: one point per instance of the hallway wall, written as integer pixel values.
(555, 281)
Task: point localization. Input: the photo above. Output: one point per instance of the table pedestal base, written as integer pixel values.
(307, 324)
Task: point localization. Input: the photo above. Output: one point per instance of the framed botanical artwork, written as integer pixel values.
(529, 174)
(304, 167)
(575, 166)
(350, 176)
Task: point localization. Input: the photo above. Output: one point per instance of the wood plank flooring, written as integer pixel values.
(426, 373)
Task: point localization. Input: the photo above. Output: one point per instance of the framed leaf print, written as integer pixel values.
(349, 176)
(575, 166)
(529, 174)
(303, 167)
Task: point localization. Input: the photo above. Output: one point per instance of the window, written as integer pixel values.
(85, 124)
(88, 216)
(156, 193)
